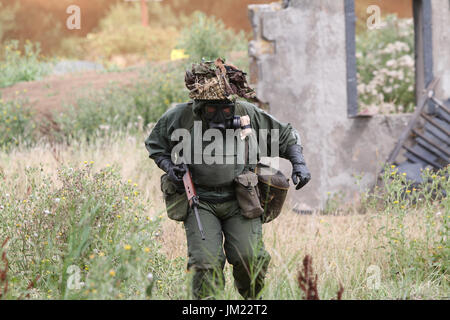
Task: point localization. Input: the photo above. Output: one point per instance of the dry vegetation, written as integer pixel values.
(350, 249)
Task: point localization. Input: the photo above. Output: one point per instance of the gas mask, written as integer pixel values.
(220, 115)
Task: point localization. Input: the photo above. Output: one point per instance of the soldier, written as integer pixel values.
(214, 87)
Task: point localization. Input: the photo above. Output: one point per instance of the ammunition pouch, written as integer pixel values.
(177, 204)
(247, 194)
(273, 187)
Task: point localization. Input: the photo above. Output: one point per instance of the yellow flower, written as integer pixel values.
(395, 202)
(392, 166)
(101, 254)
(127, 247)
(119, 216)
(126, 198)
(147, 249)
(112, 273)
(408, 191)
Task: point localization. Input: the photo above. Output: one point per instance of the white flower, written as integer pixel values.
(150, 277)
(47, 212)
(57, 200)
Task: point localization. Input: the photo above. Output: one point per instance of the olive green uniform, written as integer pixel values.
(219, 210)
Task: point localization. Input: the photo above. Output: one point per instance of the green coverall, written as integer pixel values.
(219, 210)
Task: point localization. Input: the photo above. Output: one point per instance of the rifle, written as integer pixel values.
(192, 197)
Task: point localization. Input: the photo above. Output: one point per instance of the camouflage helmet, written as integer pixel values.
(215, 80)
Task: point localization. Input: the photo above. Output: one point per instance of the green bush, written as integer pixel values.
(16, 124)
(207, 37)
(385, 62)
(411, 257)
(121, 32)
(16, 66)
(85, 235)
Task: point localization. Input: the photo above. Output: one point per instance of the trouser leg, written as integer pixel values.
(244, 250)
(206, 257)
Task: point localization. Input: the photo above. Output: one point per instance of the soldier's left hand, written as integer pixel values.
(300, 176)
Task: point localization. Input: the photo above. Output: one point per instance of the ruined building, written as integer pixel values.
(303, 67)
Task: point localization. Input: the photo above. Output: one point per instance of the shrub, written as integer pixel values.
(413, 256)
(16, 124)
(16, 66)
(121, 32)
(207, 37)
(84, 235)
(385, 62)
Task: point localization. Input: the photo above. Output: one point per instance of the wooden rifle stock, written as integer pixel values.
(192, 197)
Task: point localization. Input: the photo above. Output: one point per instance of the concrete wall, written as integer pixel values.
(299, 70)
(441, 45)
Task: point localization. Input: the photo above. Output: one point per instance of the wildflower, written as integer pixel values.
(112, 273)
(119, 216)
(127, 247)
(126, 198)
(101, 254)
(395, 202)
(408, 191)
(47, 211)
(150, 277)
(147, 249)
(92, 256)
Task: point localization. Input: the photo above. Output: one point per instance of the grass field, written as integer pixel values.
(87, 221)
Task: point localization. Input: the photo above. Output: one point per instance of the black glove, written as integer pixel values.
(300, 173)
(175, 172)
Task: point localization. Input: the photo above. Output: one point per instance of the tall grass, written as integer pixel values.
(63, 223)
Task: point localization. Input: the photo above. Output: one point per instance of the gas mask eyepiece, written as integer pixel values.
(221, 116)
